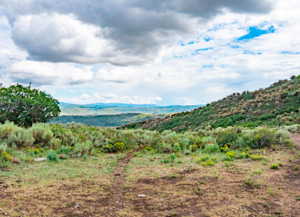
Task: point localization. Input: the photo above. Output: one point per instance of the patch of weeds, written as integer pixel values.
(228, 164)
(242, 155)
(203, 158)
(211, 148)
(230, 156)
(64, 150)
(4, 164)
(209, 162)
(52, 156)
(149, 149)
(275, 166)
(298, 198)
(256, 157)
(170, 159)
(35, 151)
(272, 192)
(225, 148)
(251, 183)
(257, 172)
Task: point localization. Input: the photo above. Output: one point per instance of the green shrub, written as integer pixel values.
(275, 166)
(211, 148)
(203, 158)
(256, 157)
(170, 159)
(292, 128)
(63, 135)
(13, 135)
(5, 156)
(230, 155)
(52, 156)
(20, 138)
(42, 134)
(209, 162)
(35, 151)
(4, 163)
(227, 136)
(262, 137)
(7, 129)
(64, 150)
(81, 149)
(113, 148)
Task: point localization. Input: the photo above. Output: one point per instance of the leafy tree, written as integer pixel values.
(25, 105)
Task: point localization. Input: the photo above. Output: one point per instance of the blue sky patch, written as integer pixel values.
(182, 44)
(234, 46)
(198, 51)
(207, 39)
(290, 52)
(250, 52)
(207, 66)
(255, 31)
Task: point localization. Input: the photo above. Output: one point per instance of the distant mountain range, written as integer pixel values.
(115, 114)
(121, 108)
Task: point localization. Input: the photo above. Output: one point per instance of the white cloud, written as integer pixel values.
(45, 73)
(111, 98)
(208, 68)
(61, 38)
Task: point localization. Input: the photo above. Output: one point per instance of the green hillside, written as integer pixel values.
(276, 105)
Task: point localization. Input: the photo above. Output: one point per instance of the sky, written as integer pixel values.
(148, 52)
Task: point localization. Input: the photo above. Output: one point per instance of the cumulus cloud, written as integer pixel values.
(160, 51)
(45, 73)
(112, 98)
(116, 31)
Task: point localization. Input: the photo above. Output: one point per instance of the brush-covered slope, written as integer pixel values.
(275, 105)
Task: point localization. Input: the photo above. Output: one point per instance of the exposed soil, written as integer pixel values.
(296, 140)
(218, 192)
(117, 189)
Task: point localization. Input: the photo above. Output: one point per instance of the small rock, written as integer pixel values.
(77, 206)
(141, 195)
(40, 159)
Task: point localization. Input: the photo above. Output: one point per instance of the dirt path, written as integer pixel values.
(117, 197)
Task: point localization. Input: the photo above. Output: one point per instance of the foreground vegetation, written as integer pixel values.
(54, 142)
(77, 170)
(276, 105)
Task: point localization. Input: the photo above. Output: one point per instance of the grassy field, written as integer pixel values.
(142, 182)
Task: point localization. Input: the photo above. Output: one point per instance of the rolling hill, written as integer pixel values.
(120, 108)
(114, 114)
(276, 105)
(104, 120)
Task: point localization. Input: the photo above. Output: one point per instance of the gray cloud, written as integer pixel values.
(135, 29)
